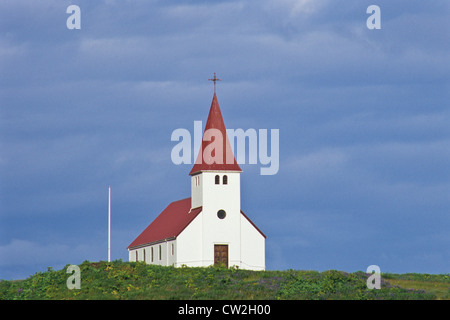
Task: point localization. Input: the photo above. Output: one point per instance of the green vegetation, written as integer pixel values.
(438, 284)
(136, 280)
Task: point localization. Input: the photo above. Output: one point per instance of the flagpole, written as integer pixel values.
(109, 223)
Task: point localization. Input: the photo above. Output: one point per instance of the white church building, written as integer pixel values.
(209, 227)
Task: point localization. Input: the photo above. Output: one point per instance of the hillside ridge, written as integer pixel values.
(140, 281)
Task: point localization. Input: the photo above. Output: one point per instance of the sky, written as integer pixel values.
(363, 118)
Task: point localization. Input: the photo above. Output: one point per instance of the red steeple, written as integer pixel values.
(214, 151)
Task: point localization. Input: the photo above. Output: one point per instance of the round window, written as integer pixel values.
(221, 214)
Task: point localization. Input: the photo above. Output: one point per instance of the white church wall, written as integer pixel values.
(132, 255)
(189, 244)
(162, 253)
(252, 247)
(196, 191)
(217, 194)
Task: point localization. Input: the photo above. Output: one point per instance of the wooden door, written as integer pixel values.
(221, 254)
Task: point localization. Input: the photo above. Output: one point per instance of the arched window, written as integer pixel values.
(217, 179)
(225, 179)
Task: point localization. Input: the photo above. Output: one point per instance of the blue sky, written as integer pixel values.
(363, 116)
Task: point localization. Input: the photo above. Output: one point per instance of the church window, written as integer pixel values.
(137, 256)
(225, 179)
(151, 253)
(172, 248)
(160, 252)
(221, 214)
(144, 254)
(217, 179)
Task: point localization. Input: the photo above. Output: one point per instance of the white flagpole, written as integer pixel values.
(109, 223)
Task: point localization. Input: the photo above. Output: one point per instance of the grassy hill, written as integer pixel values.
(131, 280)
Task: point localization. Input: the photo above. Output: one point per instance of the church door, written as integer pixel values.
(221, 254)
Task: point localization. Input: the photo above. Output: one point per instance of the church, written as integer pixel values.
(209, 228)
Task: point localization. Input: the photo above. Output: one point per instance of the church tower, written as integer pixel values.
(215, 174)
(216, 186)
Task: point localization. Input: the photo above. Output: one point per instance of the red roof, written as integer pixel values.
(169, 224)
(207, 161)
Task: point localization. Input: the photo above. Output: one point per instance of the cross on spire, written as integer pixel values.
(214, 80)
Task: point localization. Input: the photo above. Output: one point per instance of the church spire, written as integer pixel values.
(215, 153)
